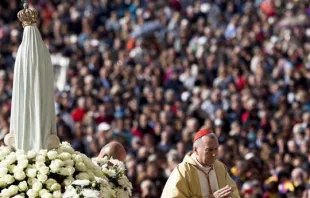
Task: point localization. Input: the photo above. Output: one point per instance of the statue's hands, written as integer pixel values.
(53, 141)
(9, 140)
(223, 192)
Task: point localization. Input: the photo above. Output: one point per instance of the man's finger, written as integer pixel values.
(225, 192)
(225, 188)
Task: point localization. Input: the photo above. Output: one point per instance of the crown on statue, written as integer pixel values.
(27, 16)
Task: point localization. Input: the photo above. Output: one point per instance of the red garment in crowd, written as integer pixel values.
(176, 5)
(107, 119)
(268, 8)
(136, 132)
(130, 44)
(78, 114)
(241, 82)
(245, 116)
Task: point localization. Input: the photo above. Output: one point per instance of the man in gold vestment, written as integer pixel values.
(200, 175)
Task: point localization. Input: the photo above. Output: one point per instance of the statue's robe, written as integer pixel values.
(33, 119)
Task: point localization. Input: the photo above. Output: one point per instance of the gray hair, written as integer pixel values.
(199, 142)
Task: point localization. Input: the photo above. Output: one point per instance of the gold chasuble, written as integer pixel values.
(184, 181)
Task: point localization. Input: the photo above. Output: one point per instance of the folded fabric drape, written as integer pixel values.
(33, 109)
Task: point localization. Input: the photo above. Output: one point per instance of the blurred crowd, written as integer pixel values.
(151, 73)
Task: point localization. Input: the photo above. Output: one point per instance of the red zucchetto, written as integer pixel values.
(201, 133)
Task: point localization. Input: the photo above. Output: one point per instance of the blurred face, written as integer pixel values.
(143, 121)
(207, 151)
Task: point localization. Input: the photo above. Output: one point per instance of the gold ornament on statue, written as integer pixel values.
(27, 16)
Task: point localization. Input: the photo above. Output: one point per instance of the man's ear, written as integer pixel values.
(195, 149)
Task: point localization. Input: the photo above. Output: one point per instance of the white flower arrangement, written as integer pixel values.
(114, 170)
(58, 173)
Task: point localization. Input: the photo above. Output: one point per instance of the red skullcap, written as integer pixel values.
(201, 133)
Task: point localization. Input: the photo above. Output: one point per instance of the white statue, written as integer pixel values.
(33, 124)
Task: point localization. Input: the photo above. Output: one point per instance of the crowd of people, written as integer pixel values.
(151, 73)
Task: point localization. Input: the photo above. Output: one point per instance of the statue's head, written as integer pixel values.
(115, 150)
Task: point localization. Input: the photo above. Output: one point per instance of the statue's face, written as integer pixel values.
(207, 152)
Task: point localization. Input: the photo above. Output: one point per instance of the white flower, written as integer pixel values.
(11, 158)
(44, 170)
(88, 162)
(5, 193)
(31, 172)
(121, 193)
(32, 193)
(50, 182)
(22, 186)
(31, 181)
(19, 175)
(81, 182)
(91, 175)
(68, 181)
(11, 168)
(110, 173)
(3, 171)
(31, 154)
(47, 195)
(42, 177)
(64, 156)
(70, 192)
(2, 182)
(43, 152)
(70, 169)
(98, 172)
(64, 171)
(77, 158)
(55, 187)
(39, 164)
(80, 166)
(21, 156)
(69, 162)
(98, 160)
(120, 165)
(82, 176)
(42, 192)
(121, 182)
(55, 165)
(90, 193)
(9, 179)
(13, 189)
(4, 151)
(52, 155)
(40, 158)
(4, 164)
(37, 186)
(66, 147)
(65, 144)
(22, 163)
(57, 194)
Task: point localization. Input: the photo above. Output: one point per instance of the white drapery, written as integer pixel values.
(33, 117)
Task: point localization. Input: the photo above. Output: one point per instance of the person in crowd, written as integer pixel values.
(115, 150)
(201, 174)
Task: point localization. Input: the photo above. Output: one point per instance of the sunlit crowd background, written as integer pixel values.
(151, 73)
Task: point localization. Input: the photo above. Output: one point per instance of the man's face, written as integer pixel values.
(207, 151)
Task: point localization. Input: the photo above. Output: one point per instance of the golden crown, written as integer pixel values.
(27, 16)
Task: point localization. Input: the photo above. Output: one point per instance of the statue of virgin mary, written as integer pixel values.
(32, 125)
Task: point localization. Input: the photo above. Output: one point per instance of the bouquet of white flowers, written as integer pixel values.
(51, 174)
(114, 170)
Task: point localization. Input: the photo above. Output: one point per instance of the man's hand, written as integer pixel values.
(223, 192)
